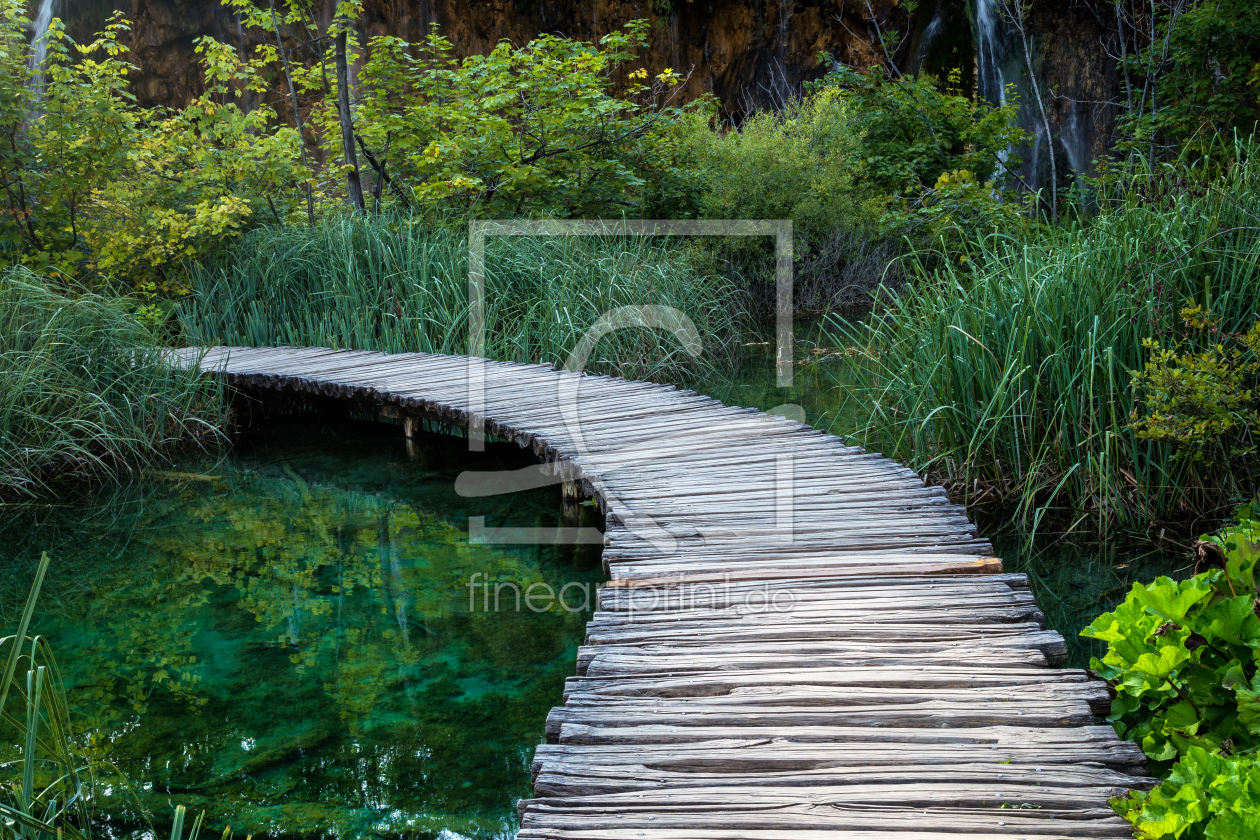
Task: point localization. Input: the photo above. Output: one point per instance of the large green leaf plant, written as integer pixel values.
(1184, 660)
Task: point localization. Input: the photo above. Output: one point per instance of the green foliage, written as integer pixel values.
(518, 131)
(1202, 393)
(1184, 659)
(83, 388)
(1204, 63)
(916, 129)
(197, 177)
(398, 285)
(1205, 797)
(94, 183)
(960, 205)
(797, 163)
(1007, 377)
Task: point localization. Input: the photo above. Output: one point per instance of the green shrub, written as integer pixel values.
(914, 129)
(797, 163)
(518, 131)
(400, 285)
(1183, 656)
(1205, 797)
(1202, 393)
(94, 184)
(1184, 660)
(1203, 61)
(85, 389)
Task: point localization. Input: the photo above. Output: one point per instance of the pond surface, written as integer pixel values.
(284, 638)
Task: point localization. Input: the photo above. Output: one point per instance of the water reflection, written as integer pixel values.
(284, 639)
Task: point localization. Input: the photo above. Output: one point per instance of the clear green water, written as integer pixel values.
(284, 639)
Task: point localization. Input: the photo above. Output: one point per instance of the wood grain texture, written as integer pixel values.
(798, 639)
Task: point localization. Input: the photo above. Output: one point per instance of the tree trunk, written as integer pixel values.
(354, 186)
(297, 113)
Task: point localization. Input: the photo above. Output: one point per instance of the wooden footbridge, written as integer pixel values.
(798, 640)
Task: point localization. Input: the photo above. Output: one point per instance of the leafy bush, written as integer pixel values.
(517, 131)
(914, 129)
(84, 388)
(1205, 797)
(1006, 378)
(1202, 59)
(92, 182)
(797, 163)
(1202, 393)
(1184, 659)
(1183, 656)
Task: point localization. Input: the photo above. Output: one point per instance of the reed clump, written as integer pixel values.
(1007, 376)
(85, 389)
(396, 284)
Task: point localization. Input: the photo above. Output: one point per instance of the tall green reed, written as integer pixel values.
(1007, 377)
(85, 388)
(48, 779)
(44, 787)
(398, 285)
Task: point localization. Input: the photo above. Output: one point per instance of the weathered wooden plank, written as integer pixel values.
(755, 816)
(954, 712)
(930, 817)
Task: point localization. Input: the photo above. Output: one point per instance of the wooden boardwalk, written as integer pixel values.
(799, 640)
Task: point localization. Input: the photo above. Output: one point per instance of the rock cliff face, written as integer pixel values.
(749, 53)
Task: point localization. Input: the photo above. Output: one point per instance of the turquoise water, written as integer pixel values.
(284, 638)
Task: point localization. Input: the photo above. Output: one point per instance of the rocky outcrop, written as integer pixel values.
(749, 53)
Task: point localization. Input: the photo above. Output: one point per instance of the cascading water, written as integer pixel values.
(39, 36)
(1001, 69)
(990, 51)
(1072, 138)
(929, 37)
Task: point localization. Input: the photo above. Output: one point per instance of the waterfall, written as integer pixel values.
(1000, 62)
(929, 37)
(990, 51)
(39, 38)
(1075, 145)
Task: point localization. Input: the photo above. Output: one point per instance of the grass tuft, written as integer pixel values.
(84, 389)
(392, 284)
